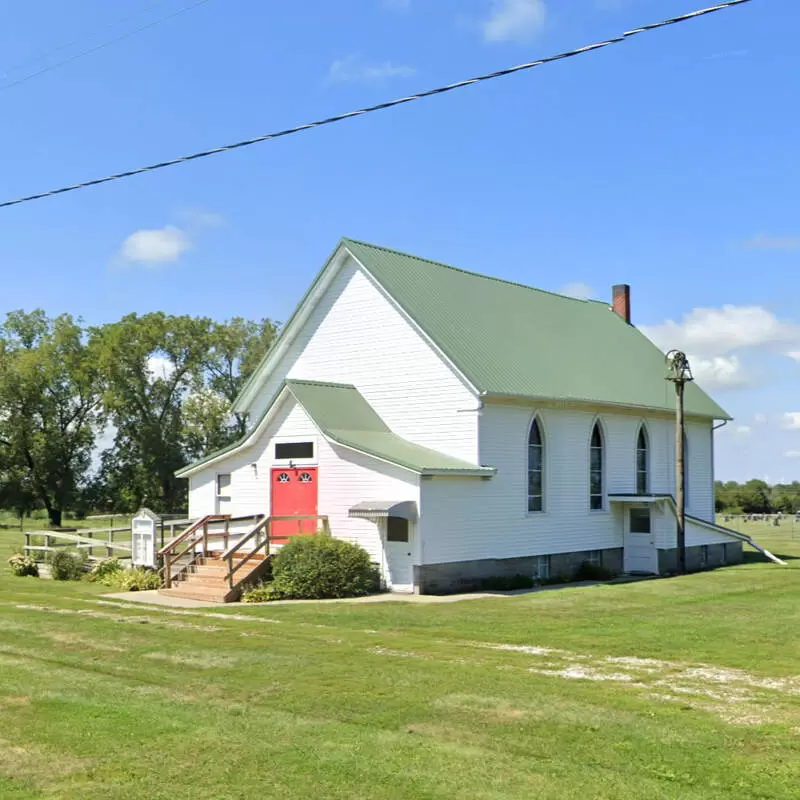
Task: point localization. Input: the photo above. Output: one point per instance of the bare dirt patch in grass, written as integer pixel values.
(198, 660)
(36, 764)
(734, 695)
(15, 701)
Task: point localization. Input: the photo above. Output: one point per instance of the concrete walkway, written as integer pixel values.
(153, 597)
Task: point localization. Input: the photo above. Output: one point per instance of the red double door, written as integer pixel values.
(294, 493)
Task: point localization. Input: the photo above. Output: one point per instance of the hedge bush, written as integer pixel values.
(136, 579)
(106, 571)
(315, 567)
(67, 565)
(258, 594)
(22, 565)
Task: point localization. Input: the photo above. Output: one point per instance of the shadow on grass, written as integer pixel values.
(754, 557)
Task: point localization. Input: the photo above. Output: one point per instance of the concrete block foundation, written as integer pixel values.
(466, 576)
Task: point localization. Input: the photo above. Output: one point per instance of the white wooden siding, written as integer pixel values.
(464, 519)
(355, 335)
(344, 479)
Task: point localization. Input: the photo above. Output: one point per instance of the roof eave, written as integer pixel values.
(286, 336)
(527, 398)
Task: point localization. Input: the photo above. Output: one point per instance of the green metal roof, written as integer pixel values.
(345, 417)
(515, 341)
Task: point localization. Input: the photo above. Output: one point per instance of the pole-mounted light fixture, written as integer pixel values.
(680, 373)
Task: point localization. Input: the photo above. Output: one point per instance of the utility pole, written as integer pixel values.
(680, 374)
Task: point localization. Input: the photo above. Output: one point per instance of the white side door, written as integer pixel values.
(640, 554)
(398, 535)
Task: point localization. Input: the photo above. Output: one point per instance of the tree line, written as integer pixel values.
(163, 385)
(757, 497)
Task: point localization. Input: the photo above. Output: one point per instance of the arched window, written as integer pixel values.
(596, 468)
(535, 468)
(642, 462)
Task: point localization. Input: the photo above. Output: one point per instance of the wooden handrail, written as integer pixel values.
(191, 529)
(229, 554)
(234, 547)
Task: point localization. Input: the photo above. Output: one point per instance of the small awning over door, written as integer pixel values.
(380, 509)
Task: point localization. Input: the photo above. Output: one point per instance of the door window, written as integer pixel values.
(396, 529)
(640, 520)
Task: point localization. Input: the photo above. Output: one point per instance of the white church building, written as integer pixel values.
(460, 427)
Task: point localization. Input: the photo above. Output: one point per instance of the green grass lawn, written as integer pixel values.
(678, 688)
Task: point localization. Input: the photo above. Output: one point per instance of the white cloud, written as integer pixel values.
(155, 246)
(763, 241)
(718, 331)
(759, 418)
(577, 289)
(792, 454)
(791, 420)
(159, 367)
(794, 355)
(514, 20)
(744, 430)
(720, 372)
(353, 68)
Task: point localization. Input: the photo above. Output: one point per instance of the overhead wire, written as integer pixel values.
(103, 45)
(379, 106)
(78, 40)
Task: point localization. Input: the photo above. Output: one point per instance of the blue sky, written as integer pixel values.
(668, 162)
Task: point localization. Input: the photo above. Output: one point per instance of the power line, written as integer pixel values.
(102, 45)
(379, 107)
(77, 40)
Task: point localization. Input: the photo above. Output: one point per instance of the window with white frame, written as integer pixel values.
(224, 486)
(535, 468)
(541, 568)
(294, 451)
(596, 458)
(642, 461)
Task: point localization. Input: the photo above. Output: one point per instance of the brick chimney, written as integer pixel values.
(622, 301)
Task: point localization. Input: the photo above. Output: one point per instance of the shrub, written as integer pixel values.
(318, 566)
(258, 594)
(67, 565)
(105, 571)
(22, 565)
(593, 572)
(136, 579)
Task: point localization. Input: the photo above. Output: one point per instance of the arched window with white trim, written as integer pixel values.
(535, 467)
(642, 462)
(596, 460)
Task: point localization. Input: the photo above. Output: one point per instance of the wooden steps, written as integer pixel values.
(207, 580)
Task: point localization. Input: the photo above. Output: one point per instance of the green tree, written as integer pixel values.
(152, 364)
(236, 348)
(50, 409)
(206, 423)
(754, 497)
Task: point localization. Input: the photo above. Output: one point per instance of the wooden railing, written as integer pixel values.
(191, 537)
(198, 533)
(262, 535)
(85, 540)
